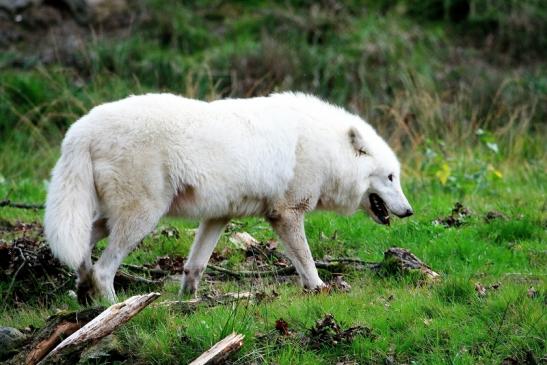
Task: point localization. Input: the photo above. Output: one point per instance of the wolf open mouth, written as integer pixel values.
(379, 208)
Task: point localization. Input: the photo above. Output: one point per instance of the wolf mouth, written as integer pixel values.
(379, 208)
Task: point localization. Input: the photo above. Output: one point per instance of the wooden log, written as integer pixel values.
(101, 326)
(221, 350)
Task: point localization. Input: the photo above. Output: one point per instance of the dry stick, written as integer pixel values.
(330, 264)
(122, 275)
(101, 326)
(191, 304)
(221, 350)
(326, 265)
(10, 204)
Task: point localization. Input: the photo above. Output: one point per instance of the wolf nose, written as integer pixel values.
(408, 213)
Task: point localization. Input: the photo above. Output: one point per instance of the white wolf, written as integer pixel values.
(126, 164)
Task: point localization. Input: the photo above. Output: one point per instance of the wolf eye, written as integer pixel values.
(390, 177)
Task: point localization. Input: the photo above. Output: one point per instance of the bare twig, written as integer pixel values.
(125, 277)
(330, 264)
(10, 204)
(209, 301)
(244, 274)
(221, 350)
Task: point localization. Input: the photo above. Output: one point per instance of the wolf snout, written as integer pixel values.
(407, 213)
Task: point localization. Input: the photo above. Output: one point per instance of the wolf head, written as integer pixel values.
(383, 194)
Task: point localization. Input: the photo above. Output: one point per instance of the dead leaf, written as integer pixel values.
(282, 327)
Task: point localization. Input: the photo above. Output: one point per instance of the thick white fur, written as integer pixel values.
(129, 162)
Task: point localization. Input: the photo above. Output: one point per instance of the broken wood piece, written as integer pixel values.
(57, 327)
(221, 350)
(101, 326)
(243, 240)
(398, 259)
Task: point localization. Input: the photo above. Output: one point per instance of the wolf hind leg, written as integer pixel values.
(127, 231)
(84, 282)
(205, 241)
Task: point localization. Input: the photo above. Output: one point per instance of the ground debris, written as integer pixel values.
(399, 260)
(168, 264)
(26, 263)
(339, 284)
(190, 305)
(493, 215)
(282, 327)
(243, 240)
(70, 349)
(532, 292)
(482, 291)
(57, 327)
(327, 332)
(456, 217)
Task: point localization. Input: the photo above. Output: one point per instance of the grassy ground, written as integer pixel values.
(447, 322)
(460, 94)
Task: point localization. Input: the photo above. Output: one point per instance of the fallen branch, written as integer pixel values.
(395, 260)
(8, 203)
(190, 305)
(101, 326)
(124, 279)
(334, 265)
(398, 259)
(221, 350)
(244, 274)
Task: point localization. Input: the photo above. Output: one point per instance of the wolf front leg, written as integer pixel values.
(205, 241)
(290, 228)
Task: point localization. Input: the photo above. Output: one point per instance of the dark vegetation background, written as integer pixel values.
(432, 73)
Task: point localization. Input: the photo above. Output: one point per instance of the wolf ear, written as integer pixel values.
(357, 141)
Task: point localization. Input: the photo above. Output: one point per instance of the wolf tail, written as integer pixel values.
(71, 204)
